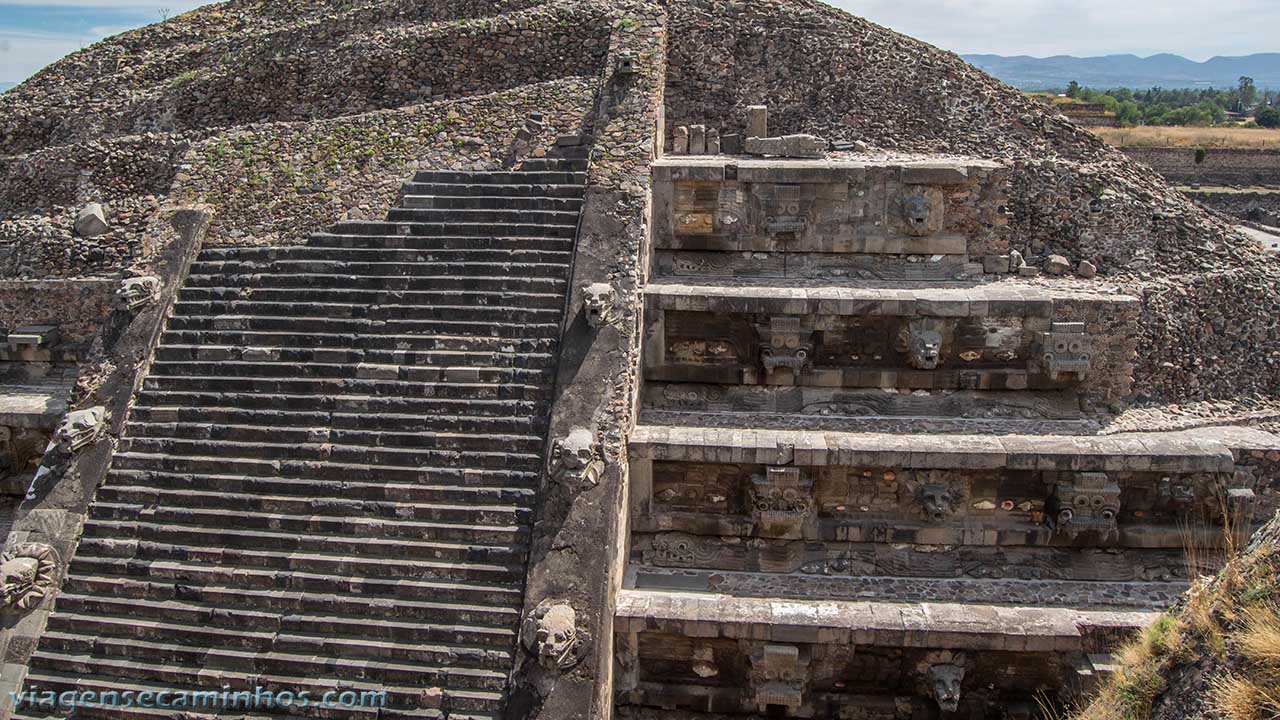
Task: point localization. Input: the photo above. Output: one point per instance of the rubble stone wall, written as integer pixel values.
(1259, 207)
(103, 172)
(1220, 166)
(77, 307)
(1210, 336)
(273, 184)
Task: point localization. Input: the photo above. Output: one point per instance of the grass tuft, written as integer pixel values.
(1240, 698)
(1259, 639)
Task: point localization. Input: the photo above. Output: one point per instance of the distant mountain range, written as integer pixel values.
(1131, 71)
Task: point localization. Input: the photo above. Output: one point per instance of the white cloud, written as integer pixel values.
(22, 55)
(1194, 28)
(23, 52)
(127, 5)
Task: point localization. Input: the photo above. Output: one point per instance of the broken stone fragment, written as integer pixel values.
(92, 221)
(757, 121)
(1087, 269)
(713, 141)
(1016, 261)
(697, 139)
(1057, 265)
(680, 144)
(792, 146)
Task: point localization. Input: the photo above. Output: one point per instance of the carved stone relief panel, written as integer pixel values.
(779, 678)
(1086, 503)
(782, 502)
(920, 211)
(876, 351)
(698, 487)
(786, 349)
(1065, 352)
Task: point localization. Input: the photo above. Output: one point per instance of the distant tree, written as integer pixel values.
(1073, 89)
(1248, 94)
(1268, 117)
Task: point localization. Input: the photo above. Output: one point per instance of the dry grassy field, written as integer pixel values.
(1218, 137)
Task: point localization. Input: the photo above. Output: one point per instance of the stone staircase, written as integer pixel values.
(328, 479)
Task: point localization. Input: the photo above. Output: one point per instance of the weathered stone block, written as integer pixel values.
(92, 221)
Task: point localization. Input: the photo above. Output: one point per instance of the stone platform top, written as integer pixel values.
(1200, 450)
(848, 167)
(915, 625)
(1008, 299)
(36, 407)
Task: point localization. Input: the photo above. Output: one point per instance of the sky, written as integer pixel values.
(34, 33)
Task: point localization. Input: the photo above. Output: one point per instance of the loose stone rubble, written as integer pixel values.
(678, 360)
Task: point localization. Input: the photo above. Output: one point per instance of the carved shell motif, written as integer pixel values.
(27, 573)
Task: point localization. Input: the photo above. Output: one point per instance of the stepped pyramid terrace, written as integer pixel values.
(507, 359)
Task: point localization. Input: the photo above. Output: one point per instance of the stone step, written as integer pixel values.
(356, 296)
(444, 360)
(58, 683)
(491, 563)
(464, 441)
(499, 177)
(521, 190)
(494, 216)
(354, 370)
(433, 422)
(255, 307)
(142, 713)
(188, 573)
(195, 613)
(180, 664)
(372, 240)
(383, 283)
(348, 386)
(376, 499)
(496, 524)
(491, 202)
(495, 327)
(362, 341)
(396, 696)
(558, 164)
(209, 635)
(419, 569)
(462, 252)
(237, 713)
(497, 458)
(331, 470)
(287, 602)
(528, 267)
(516, 279)
(431, 229)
